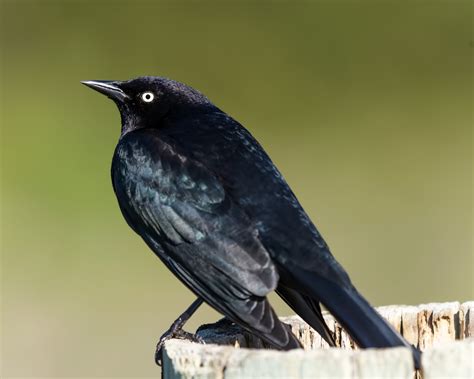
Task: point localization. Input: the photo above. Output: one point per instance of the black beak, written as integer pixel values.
(110, 88)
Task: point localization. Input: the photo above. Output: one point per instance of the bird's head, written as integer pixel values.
(144, 102)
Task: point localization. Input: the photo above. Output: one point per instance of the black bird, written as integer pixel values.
(210, 203)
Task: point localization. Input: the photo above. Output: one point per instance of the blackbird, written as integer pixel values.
(208, 200)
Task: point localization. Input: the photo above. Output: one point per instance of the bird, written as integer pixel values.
(207, 199)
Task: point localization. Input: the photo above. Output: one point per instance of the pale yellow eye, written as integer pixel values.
(148, 97)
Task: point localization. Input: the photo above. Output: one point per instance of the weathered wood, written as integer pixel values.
(436, 323)
(431, 327)
(466, 320)
(183, 359)
(409, 324)
(449, 360)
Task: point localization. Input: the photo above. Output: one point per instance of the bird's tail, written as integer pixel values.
(309, 310)
(361, 321)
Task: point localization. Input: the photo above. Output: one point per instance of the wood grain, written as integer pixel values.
(444, 331)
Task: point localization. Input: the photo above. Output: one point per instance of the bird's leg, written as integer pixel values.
(176, 330)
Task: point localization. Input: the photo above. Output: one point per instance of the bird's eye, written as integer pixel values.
(147, 97)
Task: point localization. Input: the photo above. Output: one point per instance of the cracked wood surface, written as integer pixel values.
(444, 331)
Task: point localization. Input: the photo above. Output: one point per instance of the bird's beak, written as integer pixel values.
(110, 88)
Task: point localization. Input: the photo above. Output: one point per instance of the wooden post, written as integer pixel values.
(443, 331)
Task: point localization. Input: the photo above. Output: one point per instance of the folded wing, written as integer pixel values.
(185, 214)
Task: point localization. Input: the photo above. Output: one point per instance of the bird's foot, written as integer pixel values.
(170, 334)
(176, 330)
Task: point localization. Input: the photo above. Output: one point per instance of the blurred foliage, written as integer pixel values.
(366, 107)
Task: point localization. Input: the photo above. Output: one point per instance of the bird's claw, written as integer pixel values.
(170, 334)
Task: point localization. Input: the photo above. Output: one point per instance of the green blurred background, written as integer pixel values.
(366, 107)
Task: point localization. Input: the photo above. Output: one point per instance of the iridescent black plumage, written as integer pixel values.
(207, 199)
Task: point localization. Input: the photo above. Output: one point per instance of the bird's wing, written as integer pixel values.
(174, 201)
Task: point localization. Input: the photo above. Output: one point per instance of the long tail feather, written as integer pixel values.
(361, 321)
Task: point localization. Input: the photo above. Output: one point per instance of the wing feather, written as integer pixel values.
(180, 202)
(184, 213)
